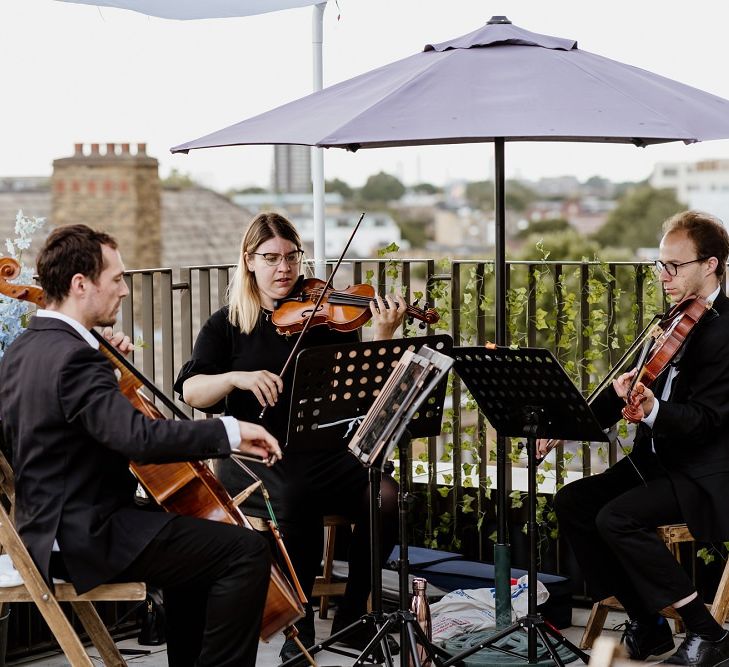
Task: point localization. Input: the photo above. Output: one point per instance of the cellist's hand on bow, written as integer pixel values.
(118, 340)
(387, 315)
(257, 441)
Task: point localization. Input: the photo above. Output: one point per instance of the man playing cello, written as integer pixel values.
(677, 472)
(73, 435)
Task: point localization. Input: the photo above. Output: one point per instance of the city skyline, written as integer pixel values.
(87, 74)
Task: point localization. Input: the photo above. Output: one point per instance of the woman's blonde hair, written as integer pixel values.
(244, 298)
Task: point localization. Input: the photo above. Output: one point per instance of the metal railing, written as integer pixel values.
(585, 312)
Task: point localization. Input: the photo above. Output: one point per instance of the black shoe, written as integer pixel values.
(644, 638)
(305, 626)
(699, 652)
(359, 636)
(289, 651)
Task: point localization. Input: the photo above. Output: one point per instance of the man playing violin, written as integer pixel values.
(73, 434)
(677, 472)
(235, 368)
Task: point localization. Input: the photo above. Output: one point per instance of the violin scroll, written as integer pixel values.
(10, 270)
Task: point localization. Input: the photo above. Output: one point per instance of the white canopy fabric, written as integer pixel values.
(208, 9)
(194, 9)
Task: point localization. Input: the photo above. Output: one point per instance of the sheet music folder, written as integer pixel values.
(509, 382)
(335, 385)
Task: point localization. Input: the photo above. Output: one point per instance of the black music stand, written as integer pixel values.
(525, 392)
(333, 388)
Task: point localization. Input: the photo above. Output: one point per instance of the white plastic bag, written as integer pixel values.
(473, 609)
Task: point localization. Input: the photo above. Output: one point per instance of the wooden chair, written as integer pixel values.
(673, 535)
(324, 586)
(34, 589)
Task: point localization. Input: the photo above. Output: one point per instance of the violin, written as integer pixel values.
(189, 488)
(669, 337)
(341, 310)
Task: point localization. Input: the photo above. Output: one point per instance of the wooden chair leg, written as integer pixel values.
(329, 538)
(675, 549)
(64, 633)
(720, 606)
(98, 634)
(594, 625)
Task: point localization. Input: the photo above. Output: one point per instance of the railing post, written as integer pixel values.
(168, 336)
(584, 344)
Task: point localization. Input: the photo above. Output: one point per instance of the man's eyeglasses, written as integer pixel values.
(672, 267)
(274, 258)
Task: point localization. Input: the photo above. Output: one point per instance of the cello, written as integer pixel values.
(188, 488)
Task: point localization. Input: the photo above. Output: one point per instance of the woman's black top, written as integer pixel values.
(220, 347)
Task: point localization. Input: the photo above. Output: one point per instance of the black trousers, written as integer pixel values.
(215, 578)
(318, 484)
(610, 521)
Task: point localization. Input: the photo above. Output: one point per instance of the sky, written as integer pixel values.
(80, 74)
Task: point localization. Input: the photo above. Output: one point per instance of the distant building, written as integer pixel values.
(585, 214)
(555, 186)
(116, 189)
(377, 231)
(181, 227)
(702, 185)
(290, 204)
(291, 169)
(463, 230)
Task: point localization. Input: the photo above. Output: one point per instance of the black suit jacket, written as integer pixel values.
(73, 435)
(691, 431)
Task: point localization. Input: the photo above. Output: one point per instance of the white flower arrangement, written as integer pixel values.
(13, 312)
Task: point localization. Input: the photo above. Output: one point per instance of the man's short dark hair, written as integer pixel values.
(67, 251)
(707, 232)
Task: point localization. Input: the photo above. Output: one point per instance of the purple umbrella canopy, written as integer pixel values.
(499, 81)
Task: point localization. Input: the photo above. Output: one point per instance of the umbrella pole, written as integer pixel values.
(502, 552)
(317, 154)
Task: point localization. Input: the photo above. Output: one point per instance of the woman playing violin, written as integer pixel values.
(234, 369)
(677, 472)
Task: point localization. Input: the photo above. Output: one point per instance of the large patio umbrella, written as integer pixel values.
(499, 83)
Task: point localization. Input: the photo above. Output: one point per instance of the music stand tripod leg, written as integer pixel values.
(532, 623)
(411, 634)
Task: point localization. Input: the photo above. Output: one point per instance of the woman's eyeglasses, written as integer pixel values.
(274, 258)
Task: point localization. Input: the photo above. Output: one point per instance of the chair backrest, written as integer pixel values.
(35, 589)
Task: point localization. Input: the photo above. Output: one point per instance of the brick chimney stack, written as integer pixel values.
(117, 191)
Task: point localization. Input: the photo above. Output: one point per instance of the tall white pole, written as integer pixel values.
(317, 154)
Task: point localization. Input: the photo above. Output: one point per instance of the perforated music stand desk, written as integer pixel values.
(526, 392)
(335, 385)
(506, 383)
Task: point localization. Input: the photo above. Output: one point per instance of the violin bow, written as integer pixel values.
(315, 309)
(642, 339)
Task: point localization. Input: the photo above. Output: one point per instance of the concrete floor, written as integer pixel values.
(268, 653)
